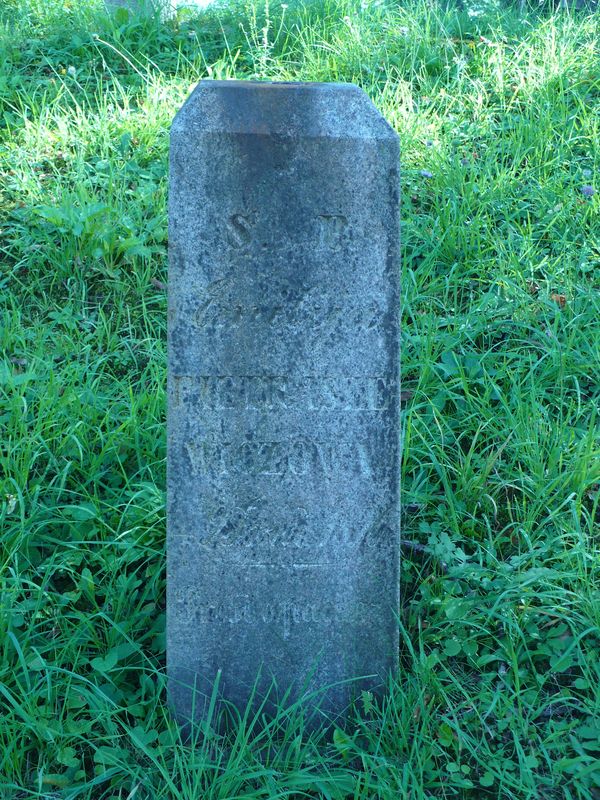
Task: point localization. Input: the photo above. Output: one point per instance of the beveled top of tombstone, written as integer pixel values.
(288, 110)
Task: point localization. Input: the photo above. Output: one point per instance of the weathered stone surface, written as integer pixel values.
(283, 420)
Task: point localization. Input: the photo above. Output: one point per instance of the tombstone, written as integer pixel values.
(283, 410)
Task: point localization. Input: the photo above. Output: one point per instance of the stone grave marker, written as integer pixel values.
(283, 416)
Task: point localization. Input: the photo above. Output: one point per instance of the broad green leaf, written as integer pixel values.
(107, 663)
(487, 779)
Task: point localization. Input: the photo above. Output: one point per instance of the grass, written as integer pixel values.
(498, 693)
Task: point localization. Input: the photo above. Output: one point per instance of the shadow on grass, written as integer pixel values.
(63, 51)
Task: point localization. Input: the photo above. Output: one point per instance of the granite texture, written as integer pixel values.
(283, 418)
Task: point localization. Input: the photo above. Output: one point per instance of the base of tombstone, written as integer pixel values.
(215, 707)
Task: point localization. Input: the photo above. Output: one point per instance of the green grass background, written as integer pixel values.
(498, 114)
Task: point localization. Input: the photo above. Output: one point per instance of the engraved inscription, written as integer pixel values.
(296, 457)
(280, 392)
(206, 309)
(239, 230)
(238, 532)
(222, 315)
(253, 527)
(331, 229)
(284, 615)
(220, 309)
